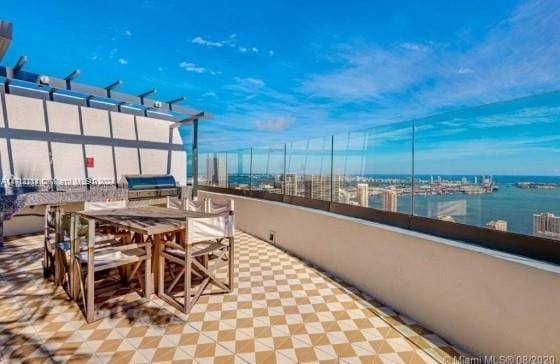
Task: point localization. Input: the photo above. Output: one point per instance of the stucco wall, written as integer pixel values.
(68, 160)
(63, 118)
(123, 126)
(32, 159)
(483, 301)
(132, 136)
(25, 113)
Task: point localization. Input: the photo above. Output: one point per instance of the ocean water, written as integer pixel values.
(515, 205)
(510, 203)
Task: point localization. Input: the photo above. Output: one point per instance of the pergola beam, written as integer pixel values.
(112, 86)
(71, 77)
(174, 101)
(20, 63)
(191, 118)
(143, 95)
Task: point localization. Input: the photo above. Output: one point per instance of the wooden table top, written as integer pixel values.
(148, 220)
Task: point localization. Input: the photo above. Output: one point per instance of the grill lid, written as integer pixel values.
(148, 182)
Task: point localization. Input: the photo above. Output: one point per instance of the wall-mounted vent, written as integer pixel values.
(272, 236)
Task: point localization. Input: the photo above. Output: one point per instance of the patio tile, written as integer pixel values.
(283, 310)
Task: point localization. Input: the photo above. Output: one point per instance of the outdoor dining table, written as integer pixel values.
(148, 223)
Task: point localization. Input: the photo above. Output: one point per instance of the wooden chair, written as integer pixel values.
(175, 203)
(219, 206)
(51, 238)
(198, 205)
(202, 238)
(94, 256)
(108, 230)
(105, 236)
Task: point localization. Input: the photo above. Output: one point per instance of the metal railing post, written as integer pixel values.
(412, 187)
(332, 168)
(250, 168)
(194, 159)
(284, 172)
(227, 175)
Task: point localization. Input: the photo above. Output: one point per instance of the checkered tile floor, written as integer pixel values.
(282, 311)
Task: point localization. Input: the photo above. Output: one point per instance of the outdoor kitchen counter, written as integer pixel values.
(12, 203)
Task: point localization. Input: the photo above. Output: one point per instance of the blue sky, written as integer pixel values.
(274, 71)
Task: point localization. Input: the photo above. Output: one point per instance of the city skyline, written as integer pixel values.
(473, 200)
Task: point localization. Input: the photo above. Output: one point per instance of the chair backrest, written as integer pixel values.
(199, 205)
(53, 229)
(94, 206)
(220, 206)
(175, 203)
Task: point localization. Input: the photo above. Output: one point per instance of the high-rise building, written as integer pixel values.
(546, 225)
(319, 187)
(290, 183)
(389, 200)
(216, 173)
(344, 197)
(497, 225)
(362, 194)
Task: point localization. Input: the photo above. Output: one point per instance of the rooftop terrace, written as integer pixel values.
(283, 310)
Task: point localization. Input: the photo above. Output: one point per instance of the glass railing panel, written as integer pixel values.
(308, 168)
(238, 163)
(268, 168)
(213, 169)
(202, 158)
(374, 167)
(495, 166)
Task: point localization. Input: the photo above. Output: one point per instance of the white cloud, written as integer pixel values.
(271, 52)
(160, 69)
(370, 72)
(209, 94)
(276, 125)
(413, 47)
(464, 70)
(122, 61)
(128, 33)
(113, 53)
(208, 43)
(230, 41)
(249, 83)
(516, 57)
(191, 67)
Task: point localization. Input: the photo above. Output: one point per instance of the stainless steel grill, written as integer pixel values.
(148, 187)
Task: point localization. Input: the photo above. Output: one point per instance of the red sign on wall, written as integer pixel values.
(90, 162)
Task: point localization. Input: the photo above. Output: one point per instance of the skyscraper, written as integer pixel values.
(546, 225)
(389, 200)
(497, 225)
(362, 194)
(319, 187)
(290, 184)
(344, 197)
(216, 171)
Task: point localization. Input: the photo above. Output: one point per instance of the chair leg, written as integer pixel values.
(231, 265)
(82, 288)
(187, 282)
(161, 271)
(148, 272)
